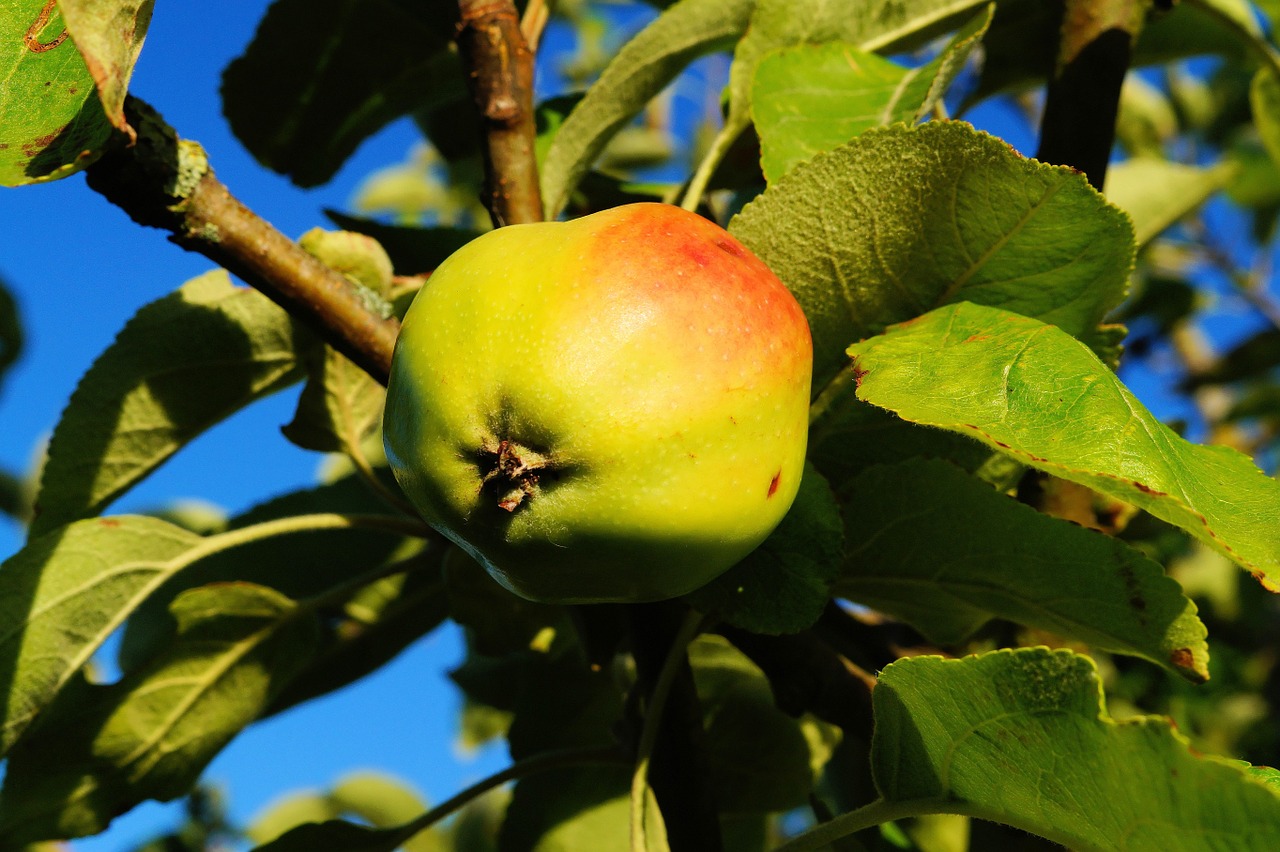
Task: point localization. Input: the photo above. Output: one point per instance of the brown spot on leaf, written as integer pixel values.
(1182, 658)
(1147, 489)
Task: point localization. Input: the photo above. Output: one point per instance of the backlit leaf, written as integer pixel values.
(1157, 193)
(181, 365)
(1037, 394)
(813, 98)
(109, 37)
(946, 552)
(107, 748)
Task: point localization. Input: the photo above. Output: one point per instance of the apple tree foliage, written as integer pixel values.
(1008, 603)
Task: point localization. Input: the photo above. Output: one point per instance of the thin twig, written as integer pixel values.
(167, 183)
(534, 22)
(499, 67)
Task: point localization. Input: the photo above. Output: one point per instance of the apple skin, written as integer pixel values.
(610, 409)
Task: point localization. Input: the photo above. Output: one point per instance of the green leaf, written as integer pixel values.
(412, 250)
(322, 75)
(1022, 738)
(1033, 392)
(52, 123)
(900, 221)
(64, 593)
(812, 98)
(642, 68)
(1157, 193)
(759, 758)
(783, 585)
(339, 408)
(181, 365)
(1252, 358)
(109, 36)
(946, 553)
(107, 748)
(335, 836)
(357, 256)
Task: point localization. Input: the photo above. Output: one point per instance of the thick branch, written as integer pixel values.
(499, 67)
(1083, 96)
(167, 183)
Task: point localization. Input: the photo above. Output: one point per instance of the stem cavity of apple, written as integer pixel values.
(511, 471)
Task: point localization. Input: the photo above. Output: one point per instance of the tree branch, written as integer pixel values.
(1083, 96)
(499, 67)
(166, 182)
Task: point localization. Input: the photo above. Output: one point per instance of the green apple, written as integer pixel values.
(613, 408)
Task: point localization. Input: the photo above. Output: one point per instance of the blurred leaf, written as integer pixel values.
(784, 585)
(322, 75)
(14, 496)
(759, 758)
(64, 593)
(1163, 300)
(1156, 193)
(11, 336)
(109, 36)
(412, 250)
(1022, 738)
(181, 365)
(812, 98)
(1253, 358)
(900, 221)
(946, 553)
(1032, 391)
(104, 749)
(1261, 401)
(51, 122)
(641, 69)
(380, 800)
(335, 836)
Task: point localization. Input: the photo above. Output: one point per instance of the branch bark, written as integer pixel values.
(1083, 96)
(166, 182)
(499, 67)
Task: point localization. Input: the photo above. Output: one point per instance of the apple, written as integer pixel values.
(613, 408)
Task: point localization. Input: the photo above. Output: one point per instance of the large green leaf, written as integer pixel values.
(900, 221)
(946, 552)
(1032, 391)
(52, 123)
(104, 749)
(181, 365)
(641, 69)
(322, 75)
(812, 98)
(1022, 738)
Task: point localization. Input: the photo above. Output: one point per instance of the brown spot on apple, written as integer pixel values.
(773, 484)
